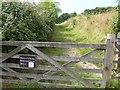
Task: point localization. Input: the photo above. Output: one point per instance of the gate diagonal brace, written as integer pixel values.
(10, 54)
(52, 61)
(12, 71)
(82, 57)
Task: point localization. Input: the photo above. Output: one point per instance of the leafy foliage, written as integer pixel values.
(99, 10)
(116, 22)
(27, 21)
(115, 26)
(65, 16)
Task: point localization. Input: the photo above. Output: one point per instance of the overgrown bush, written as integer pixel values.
(116, 22)
(28, 21)
(115, 25)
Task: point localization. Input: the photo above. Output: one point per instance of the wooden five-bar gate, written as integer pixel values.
(48, 70)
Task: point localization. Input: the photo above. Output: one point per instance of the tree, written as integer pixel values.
(65, 16)
(98, 10)
(73, 14)
(50, 10)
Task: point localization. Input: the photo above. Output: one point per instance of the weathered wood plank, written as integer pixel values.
(52, 68)
(48, 85)
(54, 72)
(47, 77)
(19, 48)
(63, 58)
(52, 61)
(39, 76)
(118, 43)
(53, 44)
(12, 71)
(117, 46)
(118, 70)
(108, 62)
(84, 59)
(115, 62)
(92, 52)
(57, 58)
(117, 40)
(116, 78)
(117, 52)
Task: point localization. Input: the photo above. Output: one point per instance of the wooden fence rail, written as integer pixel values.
(57, 69)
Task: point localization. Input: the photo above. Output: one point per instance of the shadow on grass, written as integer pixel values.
(61, 34)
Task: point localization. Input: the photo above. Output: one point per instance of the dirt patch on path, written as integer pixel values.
(73, 52)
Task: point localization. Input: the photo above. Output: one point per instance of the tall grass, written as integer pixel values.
(91, 28)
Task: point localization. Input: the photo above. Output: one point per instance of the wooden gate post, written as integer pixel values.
(108, 62)
(118, 36)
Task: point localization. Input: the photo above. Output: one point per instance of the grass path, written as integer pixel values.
(64, 34)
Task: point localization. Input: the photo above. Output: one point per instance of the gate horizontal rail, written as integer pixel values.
(53, 44)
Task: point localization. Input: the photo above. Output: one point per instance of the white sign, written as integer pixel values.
(28, 61)
(31, 64)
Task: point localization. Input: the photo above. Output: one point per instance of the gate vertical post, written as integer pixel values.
(108, 61)
(118, 36)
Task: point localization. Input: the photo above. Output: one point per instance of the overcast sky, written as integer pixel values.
(79, 6)
(70, 6)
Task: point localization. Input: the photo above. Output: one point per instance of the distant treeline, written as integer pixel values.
(99, 10)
